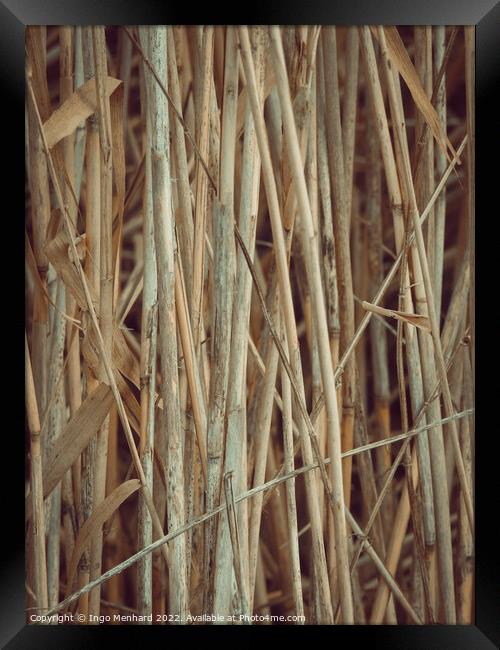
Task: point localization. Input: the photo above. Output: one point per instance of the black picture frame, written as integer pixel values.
(14, 16)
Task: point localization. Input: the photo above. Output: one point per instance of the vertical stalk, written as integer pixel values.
(201, 184)
(260, 434)
(342, 248)
(465, 573)
(106, 289)
(377, 331)
(56, 419)
(224, 278)
(440, 208)
(38, 521)
(71, 482)
(164, 243)
(470, 62)
(92, 272)
(349, 112)
(184, 221)
(148, 369)
(288, 466)
(436, 442)
(40, 215)
(326, 228)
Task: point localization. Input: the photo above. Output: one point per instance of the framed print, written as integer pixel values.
(250, 327)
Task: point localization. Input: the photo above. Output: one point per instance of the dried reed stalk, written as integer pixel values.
(38, 525)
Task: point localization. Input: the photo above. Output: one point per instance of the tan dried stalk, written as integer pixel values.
(224, 279)
(106, 287)
(341, 220)
(92, 271)
(377, 333)
(149, 323)
(290, 492)
(72, 480)
(203, 115)
(165, 245)
(38, 521)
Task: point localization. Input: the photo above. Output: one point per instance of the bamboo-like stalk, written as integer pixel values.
(203, 114)
(313, 192)
(184, 222)
(149, 318)
(39, 189)
(114, 536)
(72, 480)
(440, 209)
(424, 145)
(164, 243)
(66, 45)
(249, 196)
(261, 438)
(328, 244)
(81, 131)
(217, 459)
(38, 525)
(436, 442)
(349, 113)
(192, 371)
(224, 279)
(56, 418)
(423, 560)
(342, 249)
(394, 549)
(470, 61)
(92, 271)
(290, 493)
(106, 288)
(465, 571)
(369, 490)
(377, 333)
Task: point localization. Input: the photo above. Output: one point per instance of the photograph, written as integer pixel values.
(249, 325)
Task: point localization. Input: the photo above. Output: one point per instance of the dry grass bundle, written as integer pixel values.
(249, 353)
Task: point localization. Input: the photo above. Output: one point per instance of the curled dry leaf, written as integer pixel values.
(33, 269)
(57, 251)
(416, 320)
(80, 244)
(74, 438)
(100, 515)
(399, 56)
(75, 110)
